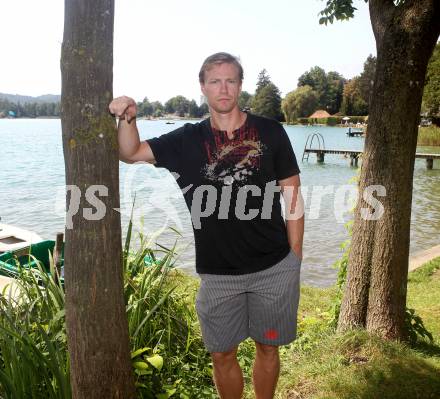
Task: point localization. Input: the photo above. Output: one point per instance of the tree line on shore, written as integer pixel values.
(28, 109)
(316, 89)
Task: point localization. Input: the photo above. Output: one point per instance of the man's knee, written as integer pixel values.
(266, 350)
(224, 358)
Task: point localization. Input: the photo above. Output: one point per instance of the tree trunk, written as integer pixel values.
(96, 318)
(375, 292)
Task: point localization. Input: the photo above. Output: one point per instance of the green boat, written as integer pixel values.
(27, 258)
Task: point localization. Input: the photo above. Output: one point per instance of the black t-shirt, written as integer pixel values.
(230, 188)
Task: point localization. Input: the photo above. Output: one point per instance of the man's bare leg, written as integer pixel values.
(266, 370)
(228, 376)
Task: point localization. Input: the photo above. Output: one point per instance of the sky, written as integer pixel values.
(159, 46)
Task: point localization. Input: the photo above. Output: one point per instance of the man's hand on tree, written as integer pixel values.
(124, 108)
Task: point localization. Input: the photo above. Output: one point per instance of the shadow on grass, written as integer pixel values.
(398, 378)
(356, 365)
(427, 349)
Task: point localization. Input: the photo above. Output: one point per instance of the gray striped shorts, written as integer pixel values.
(261, 305)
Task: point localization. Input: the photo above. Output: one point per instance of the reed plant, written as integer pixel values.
(33, 344)
(429, 136)
(168, 355)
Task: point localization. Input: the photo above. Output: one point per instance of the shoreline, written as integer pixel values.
(421, 257)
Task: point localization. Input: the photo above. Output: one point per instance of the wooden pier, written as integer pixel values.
(354, 155)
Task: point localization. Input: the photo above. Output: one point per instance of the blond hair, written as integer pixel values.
(220, 58)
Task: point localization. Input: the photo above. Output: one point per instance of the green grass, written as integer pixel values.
(424, 296)
(360, 365)
(429, 136)
(357, 365)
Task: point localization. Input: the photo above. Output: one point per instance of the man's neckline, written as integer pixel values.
(215, 130)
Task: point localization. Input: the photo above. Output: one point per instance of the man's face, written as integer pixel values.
(222, 87)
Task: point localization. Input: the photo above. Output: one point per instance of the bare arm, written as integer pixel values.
(291, 190)
(131, 149)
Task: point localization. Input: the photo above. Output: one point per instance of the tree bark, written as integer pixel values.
(375, 291)
(96, 319)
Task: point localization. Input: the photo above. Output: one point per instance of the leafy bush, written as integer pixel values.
(303, 121)
(332, 121)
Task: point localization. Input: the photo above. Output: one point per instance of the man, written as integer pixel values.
(231, 168)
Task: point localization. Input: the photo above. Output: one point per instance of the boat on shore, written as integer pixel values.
(12, 238)
(32, 256)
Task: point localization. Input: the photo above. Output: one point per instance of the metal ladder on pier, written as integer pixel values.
(310, 138)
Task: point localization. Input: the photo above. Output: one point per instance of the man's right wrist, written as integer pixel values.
(125, 122)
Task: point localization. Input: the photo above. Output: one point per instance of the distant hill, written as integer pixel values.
(17, 98)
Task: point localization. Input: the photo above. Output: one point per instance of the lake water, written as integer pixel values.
(32, 193)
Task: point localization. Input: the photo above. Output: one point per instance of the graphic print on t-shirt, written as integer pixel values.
(233, 160)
